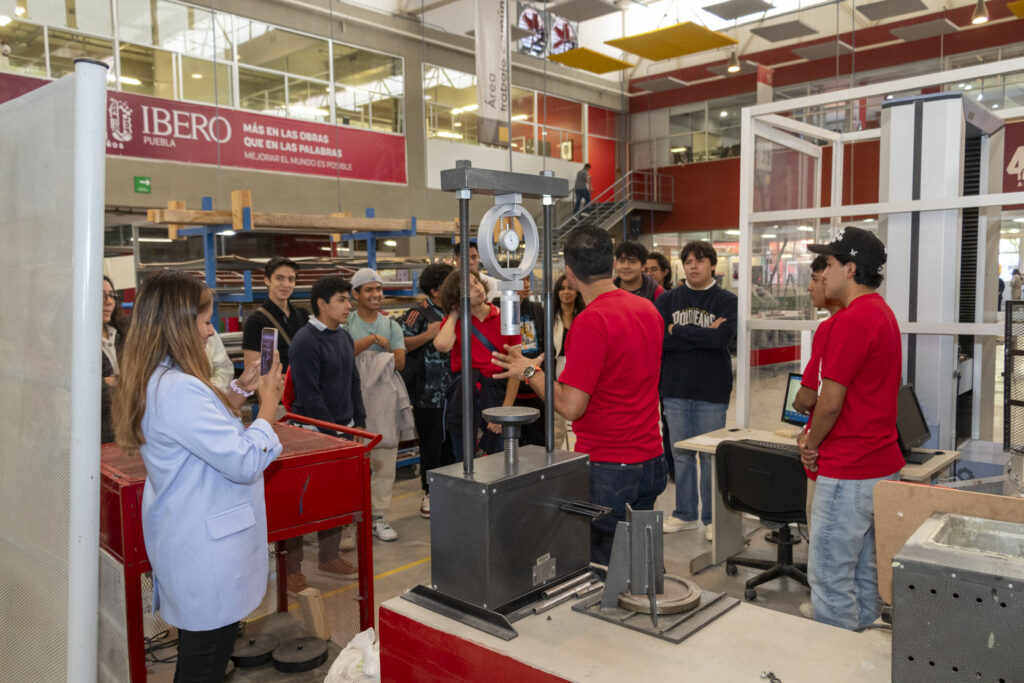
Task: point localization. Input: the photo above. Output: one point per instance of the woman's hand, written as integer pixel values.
(270, 387)
(250, 377)
(110, 381)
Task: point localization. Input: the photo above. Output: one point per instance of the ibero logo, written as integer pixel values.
(119, 122)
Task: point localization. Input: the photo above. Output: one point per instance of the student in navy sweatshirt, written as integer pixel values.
(327, 388)
(696, 375)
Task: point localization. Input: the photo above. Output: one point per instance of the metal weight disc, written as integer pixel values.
(254, 650)
(681, 595)
(301, 654)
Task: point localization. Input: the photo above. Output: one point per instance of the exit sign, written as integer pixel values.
(142, 184)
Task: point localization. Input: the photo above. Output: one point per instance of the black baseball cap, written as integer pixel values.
(854, 244)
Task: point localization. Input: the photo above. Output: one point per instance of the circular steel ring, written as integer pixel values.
(681, 595)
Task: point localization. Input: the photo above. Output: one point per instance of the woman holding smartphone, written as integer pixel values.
(204, 519)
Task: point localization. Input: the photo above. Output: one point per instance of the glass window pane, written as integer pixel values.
(451, 103)
(262, 92)
(274, 48)
(308, 100)
(22, 49)
(559, 113)
(66, 47)
(601, 122)
(90, 16)
(147, 71)
(199, 85)
(351, 107)
(387, 114)
(371, 71)
(178, 28)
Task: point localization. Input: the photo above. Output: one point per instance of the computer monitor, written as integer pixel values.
(911, 427)
(790, 416)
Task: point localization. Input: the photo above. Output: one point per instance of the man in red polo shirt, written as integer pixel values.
(609, 387)
(851, 442)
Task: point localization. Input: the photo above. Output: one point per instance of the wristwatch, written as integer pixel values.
(528, 372)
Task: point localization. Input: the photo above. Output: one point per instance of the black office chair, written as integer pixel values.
(772, 485)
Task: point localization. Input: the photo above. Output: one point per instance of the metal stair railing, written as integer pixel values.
(615, 201)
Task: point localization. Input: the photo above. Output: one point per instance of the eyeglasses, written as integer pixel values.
(113, 296)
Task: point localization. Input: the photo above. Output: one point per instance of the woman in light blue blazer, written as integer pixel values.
(203, 516)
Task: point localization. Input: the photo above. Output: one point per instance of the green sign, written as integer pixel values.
(142, 184)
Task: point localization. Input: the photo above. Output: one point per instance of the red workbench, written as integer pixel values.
(318, 482)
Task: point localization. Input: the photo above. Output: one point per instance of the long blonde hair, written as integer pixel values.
(163, 325)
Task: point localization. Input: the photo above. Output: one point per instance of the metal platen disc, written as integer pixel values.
(680, 595)
(254, 650)
(300, 654)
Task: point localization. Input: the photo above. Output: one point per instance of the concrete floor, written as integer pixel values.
(406, 562)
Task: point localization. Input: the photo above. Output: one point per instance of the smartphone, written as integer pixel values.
(268, 343)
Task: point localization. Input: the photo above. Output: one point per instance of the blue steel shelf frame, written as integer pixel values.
(209, 232)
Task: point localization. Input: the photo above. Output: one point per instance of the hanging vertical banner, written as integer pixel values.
(493, 89)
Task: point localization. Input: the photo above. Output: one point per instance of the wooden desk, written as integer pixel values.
(727, 539)
(318, 482)
(561, 645)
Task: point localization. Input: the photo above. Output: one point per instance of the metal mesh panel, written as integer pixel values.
(1013, 379)
(36, 193)
(112, 660)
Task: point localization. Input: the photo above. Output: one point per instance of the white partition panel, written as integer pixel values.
(51, 227)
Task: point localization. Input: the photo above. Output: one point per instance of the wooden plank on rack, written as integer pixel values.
(240, 200)
(290, 222)
(172, 229)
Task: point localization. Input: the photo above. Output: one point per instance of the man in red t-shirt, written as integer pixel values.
(609, 387)
(851, 442)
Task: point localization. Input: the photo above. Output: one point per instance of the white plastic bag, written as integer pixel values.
(359, 661)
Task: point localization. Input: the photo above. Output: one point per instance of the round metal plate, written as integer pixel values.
(680, 595)
(254, 650)
(301, 654)
(511, 415)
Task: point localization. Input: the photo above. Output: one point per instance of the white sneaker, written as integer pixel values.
(708, 534)
(383, 530)
(673, 524)
(425, 507)
(807, 609)
(348, 537)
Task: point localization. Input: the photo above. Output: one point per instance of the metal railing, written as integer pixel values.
(615, 201)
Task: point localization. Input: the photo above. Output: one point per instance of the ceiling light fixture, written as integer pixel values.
(20, 11)
(805, 228)
(732, 232)
(390, 243)
(197, 76)
(226, 233)
(734, 61)
(520, 117)
(980, 15)
(769, 235)
(4, 20)
(678, 150)
(449, 134)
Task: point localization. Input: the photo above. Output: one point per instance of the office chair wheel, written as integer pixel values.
(750, 594)
(730, 569)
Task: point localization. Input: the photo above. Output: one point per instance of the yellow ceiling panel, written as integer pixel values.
(1017, 8)
(589, 60)
(672, 41)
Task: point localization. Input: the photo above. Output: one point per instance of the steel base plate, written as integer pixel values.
(680, 596)
(674, 628)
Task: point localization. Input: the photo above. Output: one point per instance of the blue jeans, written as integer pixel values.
(615, 485)
(688, 418)
(841, 565)
(582, 198)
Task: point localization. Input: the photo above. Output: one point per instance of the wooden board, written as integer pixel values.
(901, 507)
(293, 222)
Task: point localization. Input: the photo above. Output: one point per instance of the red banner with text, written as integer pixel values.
(154, 128)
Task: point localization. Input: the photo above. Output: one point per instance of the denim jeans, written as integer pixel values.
(203, 656)
(841, 565)
(615, 485)
(687, 418)
(582, 198)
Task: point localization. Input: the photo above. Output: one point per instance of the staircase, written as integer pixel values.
(637, 190)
